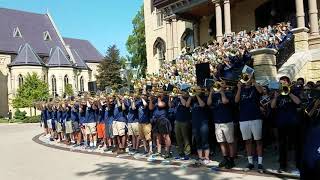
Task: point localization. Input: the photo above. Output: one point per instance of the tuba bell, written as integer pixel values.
(285, 90)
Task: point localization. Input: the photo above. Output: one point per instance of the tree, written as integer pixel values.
(136, 43)
(32, 90)
(109, 69)
(68, 90)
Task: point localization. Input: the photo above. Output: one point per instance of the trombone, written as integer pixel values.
(195, 91)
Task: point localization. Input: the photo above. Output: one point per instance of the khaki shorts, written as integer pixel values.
(118, 128)
(69, 128)
(58, 127)
(90, 128)
(145, 131)
(49, 122)
(249, 128)
(133, 129)
(224, 132)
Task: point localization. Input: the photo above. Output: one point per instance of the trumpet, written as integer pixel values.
(176, 92)
(285, 90)
(195, 91)
(245, 78)
(216, 86)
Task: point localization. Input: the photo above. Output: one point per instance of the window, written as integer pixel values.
(54, 85)
(20, 79)
(187, 39)
(81, 84)
(159, 50)
(46, 36)
(66, 81)
(159, 19)
(17, 33)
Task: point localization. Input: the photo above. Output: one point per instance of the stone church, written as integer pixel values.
(31, 42)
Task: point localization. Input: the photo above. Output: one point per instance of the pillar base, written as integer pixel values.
(264, 64)
(301, 39)
(314, 41)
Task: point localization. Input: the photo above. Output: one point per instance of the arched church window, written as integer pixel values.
(81, 84)
(20, 79)
(54, 85)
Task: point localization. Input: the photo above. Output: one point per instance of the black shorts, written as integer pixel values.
(45, 124)
(162, 126)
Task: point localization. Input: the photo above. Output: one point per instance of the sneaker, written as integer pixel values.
(205, 161)
(51, 139)
(180, 156)
(167, 155)
(295, 172)
(281, 170)
(186, 158)
(223, 163)
(230, 164)
(260, 168)
(249, 167)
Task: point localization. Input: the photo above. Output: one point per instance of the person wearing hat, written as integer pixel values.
(250, 119)
(287, 122)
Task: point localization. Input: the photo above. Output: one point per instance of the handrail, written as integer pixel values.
(285, 51)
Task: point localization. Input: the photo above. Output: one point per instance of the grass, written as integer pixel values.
(3, 120)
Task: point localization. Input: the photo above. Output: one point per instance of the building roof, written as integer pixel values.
(58, 59)
(79, 63)
(27, 56)
(85, 49)
(32, 27)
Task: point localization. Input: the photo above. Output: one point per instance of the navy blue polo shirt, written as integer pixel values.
(119, 114)
(49, 114)
(68, 113)
(249, 104)
(286, 112)
(199, 114)
(132, 115)
(222, 113)
(44, 115)
(161, 112)
(143, 112)
(82, 114)
(311, 152)
(182, 113)
(90, 115)
(75, 113)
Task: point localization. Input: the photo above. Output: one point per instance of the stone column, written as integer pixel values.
(169, 50)
(218, 21)
(264, 64)
(301, 38)
(175, 37)
(196, 34)
(313, 17)
(227, 17)
(300, 13)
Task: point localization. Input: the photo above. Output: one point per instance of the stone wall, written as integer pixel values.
(60, 73)
(4, 74)
(264, 64)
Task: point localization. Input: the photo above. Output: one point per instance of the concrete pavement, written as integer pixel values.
(21, 158)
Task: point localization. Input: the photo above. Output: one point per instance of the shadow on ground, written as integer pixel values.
(127, 171)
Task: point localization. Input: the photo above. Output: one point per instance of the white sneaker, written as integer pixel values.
(205, 162)
(295, 172)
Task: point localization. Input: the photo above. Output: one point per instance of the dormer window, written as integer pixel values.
(46, 36)
(17, 33)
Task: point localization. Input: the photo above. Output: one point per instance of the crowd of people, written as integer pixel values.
(190, 118)
(231, 52)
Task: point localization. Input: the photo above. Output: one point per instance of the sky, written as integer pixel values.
(102, 22)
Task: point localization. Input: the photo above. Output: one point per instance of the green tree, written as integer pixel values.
(68, 90)
(33, 89)
(109, 69)
(136, 43)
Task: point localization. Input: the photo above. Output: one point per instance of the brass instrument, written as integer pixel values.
(195, 91)
(245, 78)
(216, 86)
(176, 92)
(285, 90)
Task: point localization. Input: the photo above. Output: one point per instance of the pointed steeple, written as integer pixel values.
(58, 59)
(27, 56)
(79, 63)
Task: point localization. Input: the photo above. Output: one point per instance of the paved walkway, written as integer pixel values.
(22, 158)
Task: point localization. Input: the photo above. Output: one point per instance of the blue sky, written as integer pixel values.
(102, 22)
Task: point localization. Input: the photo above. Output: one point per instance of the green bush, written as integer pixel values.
(32, 119)
(20, 115)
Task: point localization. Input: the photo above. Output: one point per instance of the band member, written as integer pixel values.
(100, 114)
(182, 125)
(90, 124)
(75, 124)
(110, 105)
(82, 117)
(311, 153)
(59, 123)
(50, 121)
(162, 127)
(220, 102)
(248, 97)
(44, 118)
(67, 122)
(119, 124)
(133, 124)
(199, 121)
(287, 122)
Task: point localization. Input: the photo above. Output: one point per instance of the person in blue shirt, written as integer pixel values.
(220, 103)
(182, 125)
(44, 118)
(199, 121)
(50, 120)
(60, 127)
(288, 123)
(75, 123)
(82, 120)
(119, 124)
(162, 128)
(108, 120)
(91, 124)
(248, 97)
(145, 127)
(67, 121)
(133, 123)
(310, 168)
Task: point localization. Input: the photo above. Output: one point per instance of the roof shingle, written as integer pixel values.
(58, 59)
(27, 57)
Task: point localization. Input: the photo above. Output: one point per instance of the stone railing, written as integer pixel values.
(301, 39)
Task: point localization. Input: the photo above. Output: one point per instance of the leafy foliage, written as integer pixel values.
(109, 69)
(20, 115)
(136, 43)
(68, 90)
(33, 89)
(31, 119)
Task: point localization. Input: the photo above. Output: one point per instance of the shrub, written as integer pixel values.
(20, 115)
(32, 119)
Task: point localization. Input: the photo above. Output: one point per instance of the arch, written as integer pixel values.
(213, 27)
(81, 84)
(187, 39)
(20, 80)
(66, 80)
(159, 49)
(54, 85)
